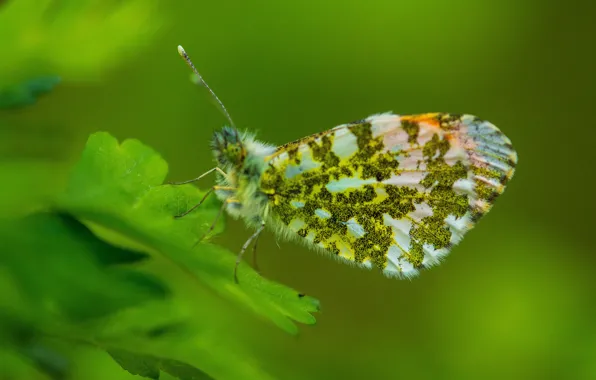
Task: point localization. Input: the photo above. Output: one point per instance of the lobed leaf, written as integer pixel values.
(119, 187)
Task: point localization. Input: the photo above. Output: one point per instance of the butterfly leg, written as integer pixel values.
(245, 246)
(212, 227)
(254, 254)
(199, 177)
(211, 190)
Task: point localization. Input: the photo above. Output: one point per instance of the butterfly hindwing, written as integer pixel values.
(395, 192)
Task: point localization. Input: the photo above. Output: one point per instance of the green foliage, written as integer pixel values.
(119, 187)
(26, 93)
(118, 269)
(77, 40)
(104, 264)
(150, 366)
(57, 243)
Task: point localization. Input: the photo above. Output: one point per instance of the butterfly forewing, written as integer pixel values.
(389, 191)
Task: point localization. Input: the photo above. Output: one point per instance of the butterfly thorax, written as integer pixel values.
(243, 160)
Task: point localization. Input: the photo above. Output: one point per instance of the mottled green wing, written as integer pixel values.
(389, 191)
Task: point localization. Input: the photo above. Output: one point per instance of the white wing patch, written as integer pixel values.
(343, 184)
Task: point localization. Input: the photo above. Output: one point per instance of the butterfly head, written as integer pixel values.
(228, 147)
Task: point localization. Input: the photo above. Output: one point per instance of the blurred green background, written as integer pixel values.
(514, 300)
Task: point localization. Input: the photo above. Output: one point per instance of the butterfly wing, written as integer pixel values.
(395, 192)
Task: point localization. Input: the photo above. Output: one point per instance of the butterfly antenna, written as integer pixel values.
(194, 69)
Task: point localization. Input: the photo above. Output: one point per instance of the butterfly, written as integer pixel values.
(391, 192)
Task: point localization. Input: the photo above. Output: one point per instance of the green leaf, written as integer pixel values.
(181, 336)
(142, 365)
(60, 266)
(26, 93)
(150, 366)
(183, 371)
(46, 360)
(17, 366)
(119, 187)
(159, 330)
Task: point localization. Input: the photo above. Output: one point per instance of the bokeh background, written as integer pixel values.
(516, 299)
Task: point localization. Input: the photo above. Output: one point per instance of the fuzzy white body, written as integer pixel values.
(249, 203)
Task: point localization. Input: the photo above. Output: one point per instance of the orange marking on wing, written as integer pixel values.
(431, 119)
(451, 138)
